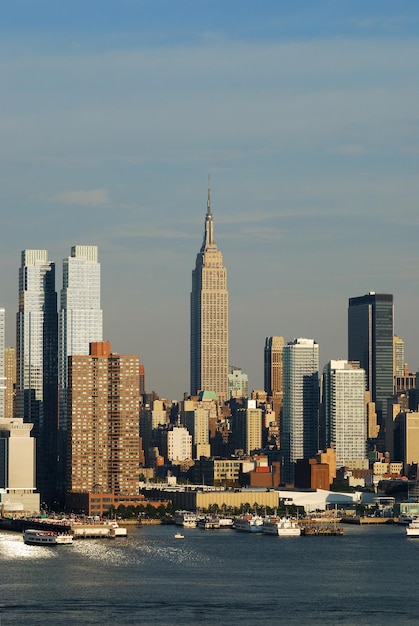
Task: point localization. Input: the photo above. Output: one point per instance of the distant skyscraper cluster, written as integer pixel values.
(86, 422)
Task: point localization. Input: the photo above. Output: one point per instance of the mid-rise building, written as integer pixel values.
(248, 426)
(37, 361)
(238, 383)
(17, 468)
(209, 317)
(300, 410)
(345, 411)
(179, 444)
(195, 417)
(104, 448)
(370, 341)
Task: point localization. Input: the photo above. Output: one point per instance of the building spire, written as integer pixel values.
(209, 240)
(209, 196)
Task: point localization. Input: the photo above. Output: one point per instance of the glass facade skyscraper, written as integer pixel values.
(80, 323)
(300, 409)
(370, 341)
(36, 357)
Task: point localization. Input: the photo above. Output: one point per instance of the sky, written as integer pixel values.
(306, 117)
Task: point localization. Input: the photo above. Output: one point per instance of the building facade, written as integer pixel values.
(300, 411)
(274, 347)
(80, 322)
(209, 318)
(238, 383)
(36, 399)
(103, 444)
(345, 411)
(2, 361)
(248, 426)
(10, 382)
(370, 341)
(17, 468)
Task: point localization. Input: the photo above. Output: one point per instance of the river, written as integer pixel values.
(368, 576)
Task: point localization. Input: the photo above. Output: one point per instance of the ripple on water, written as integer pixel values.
(12, 547)
(106, 551)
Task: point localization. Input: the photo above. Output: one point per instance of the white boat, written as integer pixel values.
(249, 523)
(34, 537)
(412, 530)
(186, 519)
(404, 519)
(226, 522)
(179, 536)
(282, 527)
(209, 522)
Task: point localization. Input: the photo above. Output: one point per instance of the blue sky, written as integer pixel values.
(305, 116)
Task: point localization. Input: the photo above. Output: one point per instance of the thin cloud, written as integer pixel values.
(83, 197)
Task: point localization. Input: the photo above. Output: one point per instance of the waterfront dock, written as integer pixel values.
(356, 519)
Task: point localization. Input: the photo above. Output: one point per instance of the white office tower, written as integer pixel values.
(238, 383)
(80, 318)
(299, 423)
(345, 411)
(2, 370)
(80, 321)
(179, 444)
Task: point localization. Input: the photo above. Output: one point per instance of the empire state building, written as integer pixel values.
(209, 317)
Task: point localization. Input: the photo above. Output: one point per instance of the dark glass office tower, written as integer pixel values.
(370, 341)
(37, 363)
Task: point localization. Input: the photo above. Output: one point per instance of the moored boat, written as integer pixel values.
(282, 527)
(412, 530)
(188, 519)
(34, 537)
(249, 523)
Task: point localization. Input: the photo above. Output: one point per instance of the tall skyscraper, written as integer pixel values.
(80, 317)
(300, 410)
(80, 323)
(345, 411)
(2, 361)
(103, 422)
(398, 355)
(274, 347)
(370, 341)
(10, 374)
(36, 367)
(209, 317)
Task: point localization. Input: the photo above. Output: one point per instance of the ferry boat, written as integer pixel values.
(282, 527)
(249, 523)
(186, 519)
(34, 537)
(412, 530)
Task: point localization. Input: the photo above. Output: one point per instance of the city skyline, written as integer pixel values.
(306, 119)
